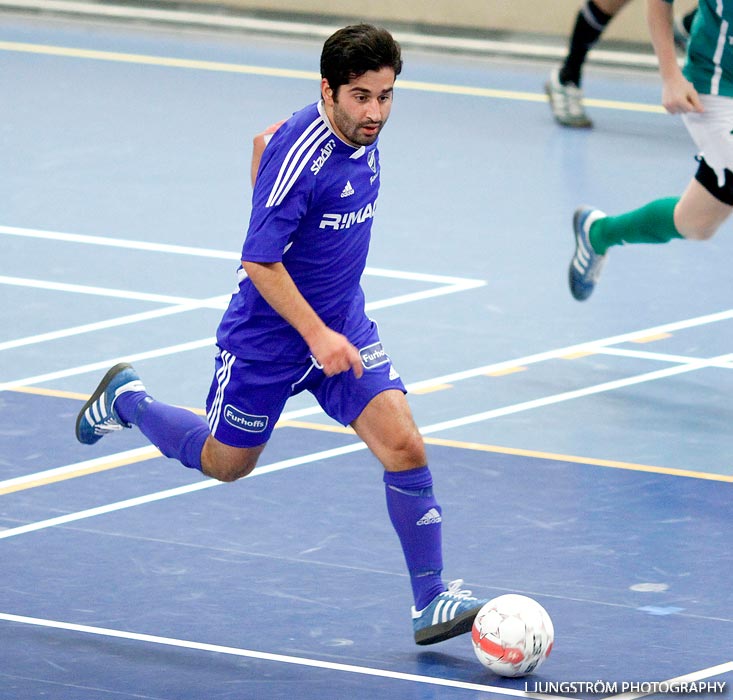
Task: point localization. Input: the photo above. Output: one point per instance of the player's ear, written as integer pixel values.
(326, 91)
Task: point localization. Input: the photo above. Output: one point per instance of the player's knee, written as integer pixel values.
(228, 471)
(409, 450)
(700, 233)
(225, 463)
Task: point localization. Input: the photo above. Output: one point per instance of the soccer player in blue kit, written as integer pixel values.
(297, 322)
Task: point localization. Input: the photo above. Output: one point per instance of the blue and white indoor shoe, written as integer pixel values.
(98, 416)
(449, 614)
(586, 265)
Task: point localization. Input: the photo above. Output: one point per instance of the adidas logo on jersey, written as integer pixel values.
(430, 518)
(348, 190)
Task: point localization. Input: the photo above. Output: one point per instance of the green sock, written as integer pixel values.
(652, 223)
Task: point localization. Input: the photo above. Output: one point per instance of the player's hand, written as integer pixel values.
(335, 354)
(679, 96)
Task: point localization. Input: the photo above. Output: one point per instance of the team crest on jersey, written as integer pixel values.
(372, 161)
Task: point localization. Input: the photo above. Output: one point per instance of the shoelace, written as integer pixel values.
(454, 589)
(108, 425)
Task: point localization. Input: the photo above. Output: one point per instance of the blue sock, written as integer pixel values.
(416, 517)
(176, 432)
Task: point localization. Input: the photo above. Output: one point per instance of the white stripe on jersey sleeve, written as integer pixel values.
(302, 163)
(314, 130)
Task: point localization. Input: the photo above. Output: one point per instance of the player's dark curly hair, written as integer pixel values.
(356, 49)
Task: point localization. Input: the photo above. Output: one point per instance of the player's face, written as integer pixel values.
(360, 109)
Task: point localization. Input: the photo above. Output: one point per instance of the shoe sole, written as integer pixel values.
(101, 388)
(446, 630)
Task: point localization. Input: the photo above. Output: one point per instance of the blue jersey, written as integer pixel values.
(312, 209)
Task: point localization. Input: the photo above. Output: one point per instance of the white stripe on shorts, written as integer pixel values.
(223, 375)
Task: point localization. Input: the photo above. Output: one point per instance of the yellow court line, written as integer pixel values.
(630, 466)
(221, 67)
(307, 425)
(481, 447)
(60, 394)
(345, 430)
(508, 370)
(652, 338)
(578, 355)
(99, 466)
(55, 393)
(430, 389)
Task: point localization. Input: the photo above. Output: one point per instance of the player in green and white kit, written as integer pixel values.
(702, 95)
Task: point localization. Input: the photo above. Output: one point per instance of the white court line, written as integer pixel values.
(106, 364)
(575, 394)
(279, 658)
(178, 491)
(183, 305)
(449, 285)
(587, 346)
(78, 466)
(209, 253)
(659, 356)
(115, 322)
(96, 291)
(119, 243)
(180, 347)
(356, 447)
(687, 678)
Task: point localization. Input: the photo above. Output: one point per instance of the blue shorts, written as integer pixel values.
(247, 397)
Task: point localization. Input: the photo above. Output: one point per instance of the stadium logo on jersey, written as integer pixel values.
(348, 190)
(244, 421)
(373, 355)
(339, 222)
(324, 155)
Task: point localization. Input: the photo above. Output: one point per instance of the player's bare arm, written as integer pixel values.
(259, 143)
(332, 350)
(678, 94)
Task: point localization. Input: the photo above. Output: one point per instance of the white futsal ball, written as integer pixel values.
(512, 635)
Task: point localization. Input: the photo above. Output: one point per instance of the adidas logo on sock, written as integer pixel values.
(348, 190)
(430, 518)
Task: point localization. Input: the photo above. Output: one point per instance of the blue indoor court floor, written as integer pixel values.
(582, 453)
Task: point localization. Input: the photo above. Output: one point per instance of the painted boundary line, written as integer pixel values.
(178, 491)
(279, 658)
(175, 304)
(579, 393)
(590, 346)
(90, 466)
(356, 447)
(238, 68)
(437, 41)
(683, 364)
